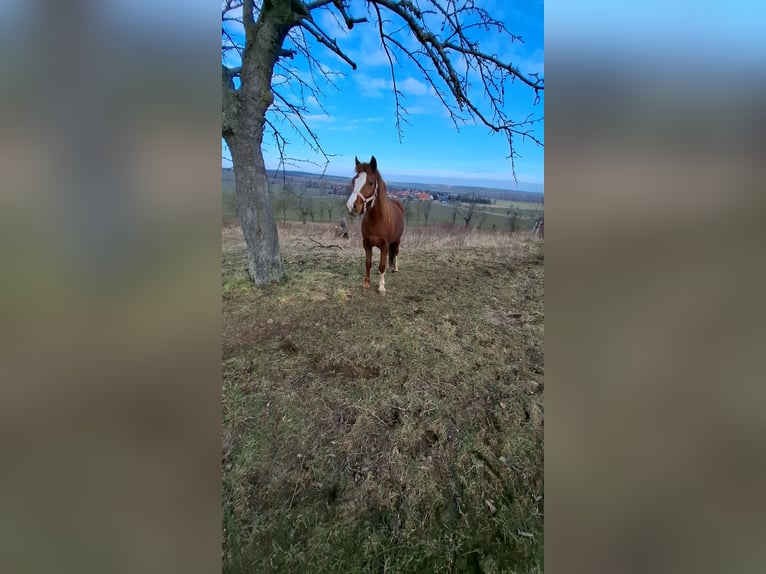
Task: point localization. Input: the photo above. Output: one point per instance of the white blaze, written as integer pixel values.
(361, 179)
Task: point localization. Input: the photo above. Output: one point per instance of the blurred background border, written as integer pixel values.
(110, 414)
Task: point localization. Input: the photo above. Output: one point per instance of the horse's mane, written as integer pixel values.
(383, 204)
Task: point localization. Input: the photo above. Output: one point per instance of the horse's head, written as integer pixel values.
(364, 187)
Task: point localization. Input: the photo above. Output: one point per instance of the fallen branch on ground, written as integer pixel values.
(318, 244)
(326, 246)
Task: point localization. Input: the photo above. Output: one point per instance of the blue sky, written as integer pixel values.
(358, 118)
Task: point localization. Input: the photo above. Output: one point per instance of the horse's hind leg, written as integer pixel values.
(382, 268)
(393, 257)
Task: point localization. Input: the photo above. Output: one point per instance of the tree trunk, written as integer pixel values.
(244, 118)
(264, 264)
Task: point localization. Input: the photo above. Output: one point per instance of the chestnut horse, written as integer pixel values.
(383, 221)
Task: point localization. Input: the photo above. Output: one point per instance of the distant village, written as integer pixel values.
(409, 194)
(334, 187)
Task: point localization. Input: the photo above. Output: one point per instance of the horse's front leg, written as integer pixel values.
(367, 264)
(382, 268)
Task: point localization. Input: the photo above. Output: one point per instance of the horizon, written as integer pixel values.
(405, 179)
(358, 118)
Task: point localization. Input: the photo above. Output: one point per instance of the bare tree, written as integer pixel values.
(329, 207)
(407, 209)
(512, 216)
(280, 204)
(304, 206)
(427, 211)
(439, 39)
(469, 213)
(455, 208)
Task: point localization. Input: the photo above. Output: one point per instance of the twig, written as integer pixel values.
(325, 246)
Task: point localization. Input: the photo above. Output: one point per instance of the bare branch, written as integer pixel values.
(399, 110)
(234, 44)
(326, 246)
(537, 84)
(468, 81)
(318, 4)
(349, 20)
(229, 75)
(456, 119)
(439, 50)
(229, 6)
(248, 18)
(322, 37)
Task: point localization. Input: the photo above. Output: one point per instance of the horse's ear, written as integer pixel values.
(373, 163)
(356, 159)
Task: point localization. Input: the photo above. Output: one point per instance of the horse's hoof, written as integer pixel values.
(365, 285)
(381, 289)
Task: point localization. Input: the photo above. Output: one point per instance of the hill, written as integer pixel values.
(301, 178)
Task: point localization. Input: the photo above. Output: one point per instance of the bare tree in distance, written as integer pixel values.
(407, 210)
(259, 91)
(427, 210)
(329, 207)
(469, 212)
(281, 205)
(455, 208)
(304, 206)
(512, 216)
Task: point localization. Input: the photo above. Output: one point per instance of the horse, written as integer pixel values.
(382, 222)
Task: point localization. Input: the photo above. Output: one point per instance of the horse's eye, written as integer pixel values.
(369, 183)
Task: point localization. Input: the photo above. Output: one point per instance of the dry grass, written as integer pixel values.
(396, 433)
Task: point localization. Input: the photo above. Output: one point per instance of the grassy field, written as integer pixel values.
(385, 433)
(330, 209)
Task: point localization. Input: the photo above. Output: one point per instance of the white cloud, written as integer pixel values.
(316, 118)
(353, 124)
(372, 87)
(371, 57)
(413, 86)
(378, 87)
